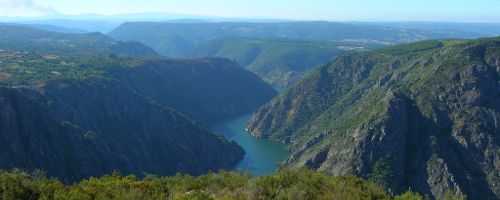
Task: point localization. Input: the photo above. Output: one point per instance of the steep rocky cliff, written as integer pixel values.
(77, 129)
(103, 113)
(422, 116)
(207, 90)
(73, 108)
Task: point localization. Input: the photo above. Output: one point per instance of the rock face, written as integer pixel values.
(128, 119)
(422, 116)
(206, 90)
(78, 129)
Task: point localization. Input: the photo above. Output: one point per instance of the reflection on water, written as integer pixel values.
(262, 156)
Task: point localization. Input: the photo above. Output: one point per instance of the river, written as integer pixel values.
(262, 155)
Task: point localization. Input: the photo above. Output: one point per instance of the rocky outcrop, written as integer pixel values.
(206, 90)
(77, 129)
(128, 119)
(421, 116)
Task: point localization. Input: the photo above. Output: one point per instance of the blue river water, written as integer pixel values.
(262, 156)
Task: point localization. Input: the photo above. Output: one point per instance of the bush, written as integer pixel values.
(286, 184)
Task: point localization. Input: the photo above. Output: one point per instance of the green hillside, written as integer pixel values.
(422, 115)
(205, 89)
(277, 61)
(25, 39)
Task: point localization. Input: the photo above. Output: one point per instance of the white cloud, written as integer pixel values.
(24, 8)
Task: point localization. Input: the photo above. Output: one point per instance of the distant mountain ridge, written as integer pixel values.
(458, 29)
(421, 116)
(22, 38)
(174, 39)
(47, 27)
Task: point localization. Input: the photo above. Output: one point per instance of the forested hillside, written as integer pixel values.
(422, 115)
(25, 39)
(278, 61)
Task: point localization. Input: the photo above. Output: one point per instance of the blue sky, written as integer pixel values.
(340, 10)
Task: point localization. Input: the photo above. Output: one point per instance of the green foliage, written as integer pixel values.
(450, 195)
(26, 68)
(409, 195)
(412, 47)
(381, 171)
(30, 55)
(287, 184)
(20, 185)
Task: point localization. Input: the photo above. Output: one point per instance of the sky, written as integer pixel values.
(335, 10)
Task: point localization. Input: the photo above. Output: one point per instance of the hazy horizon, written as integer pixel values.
(482, 11)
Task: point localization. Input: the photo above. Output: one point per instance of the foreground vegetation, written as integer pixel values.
(287, 184)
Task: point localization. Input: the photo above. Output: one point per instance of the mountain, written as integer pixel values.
(86, 25)
(139, 16)
(178, 39)
(207, 90)
(422, 116)
(77, 129)
(278, 61)
(93, 22)
(459, 30)
(45, 27)
(21, 38)
(76, 111)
